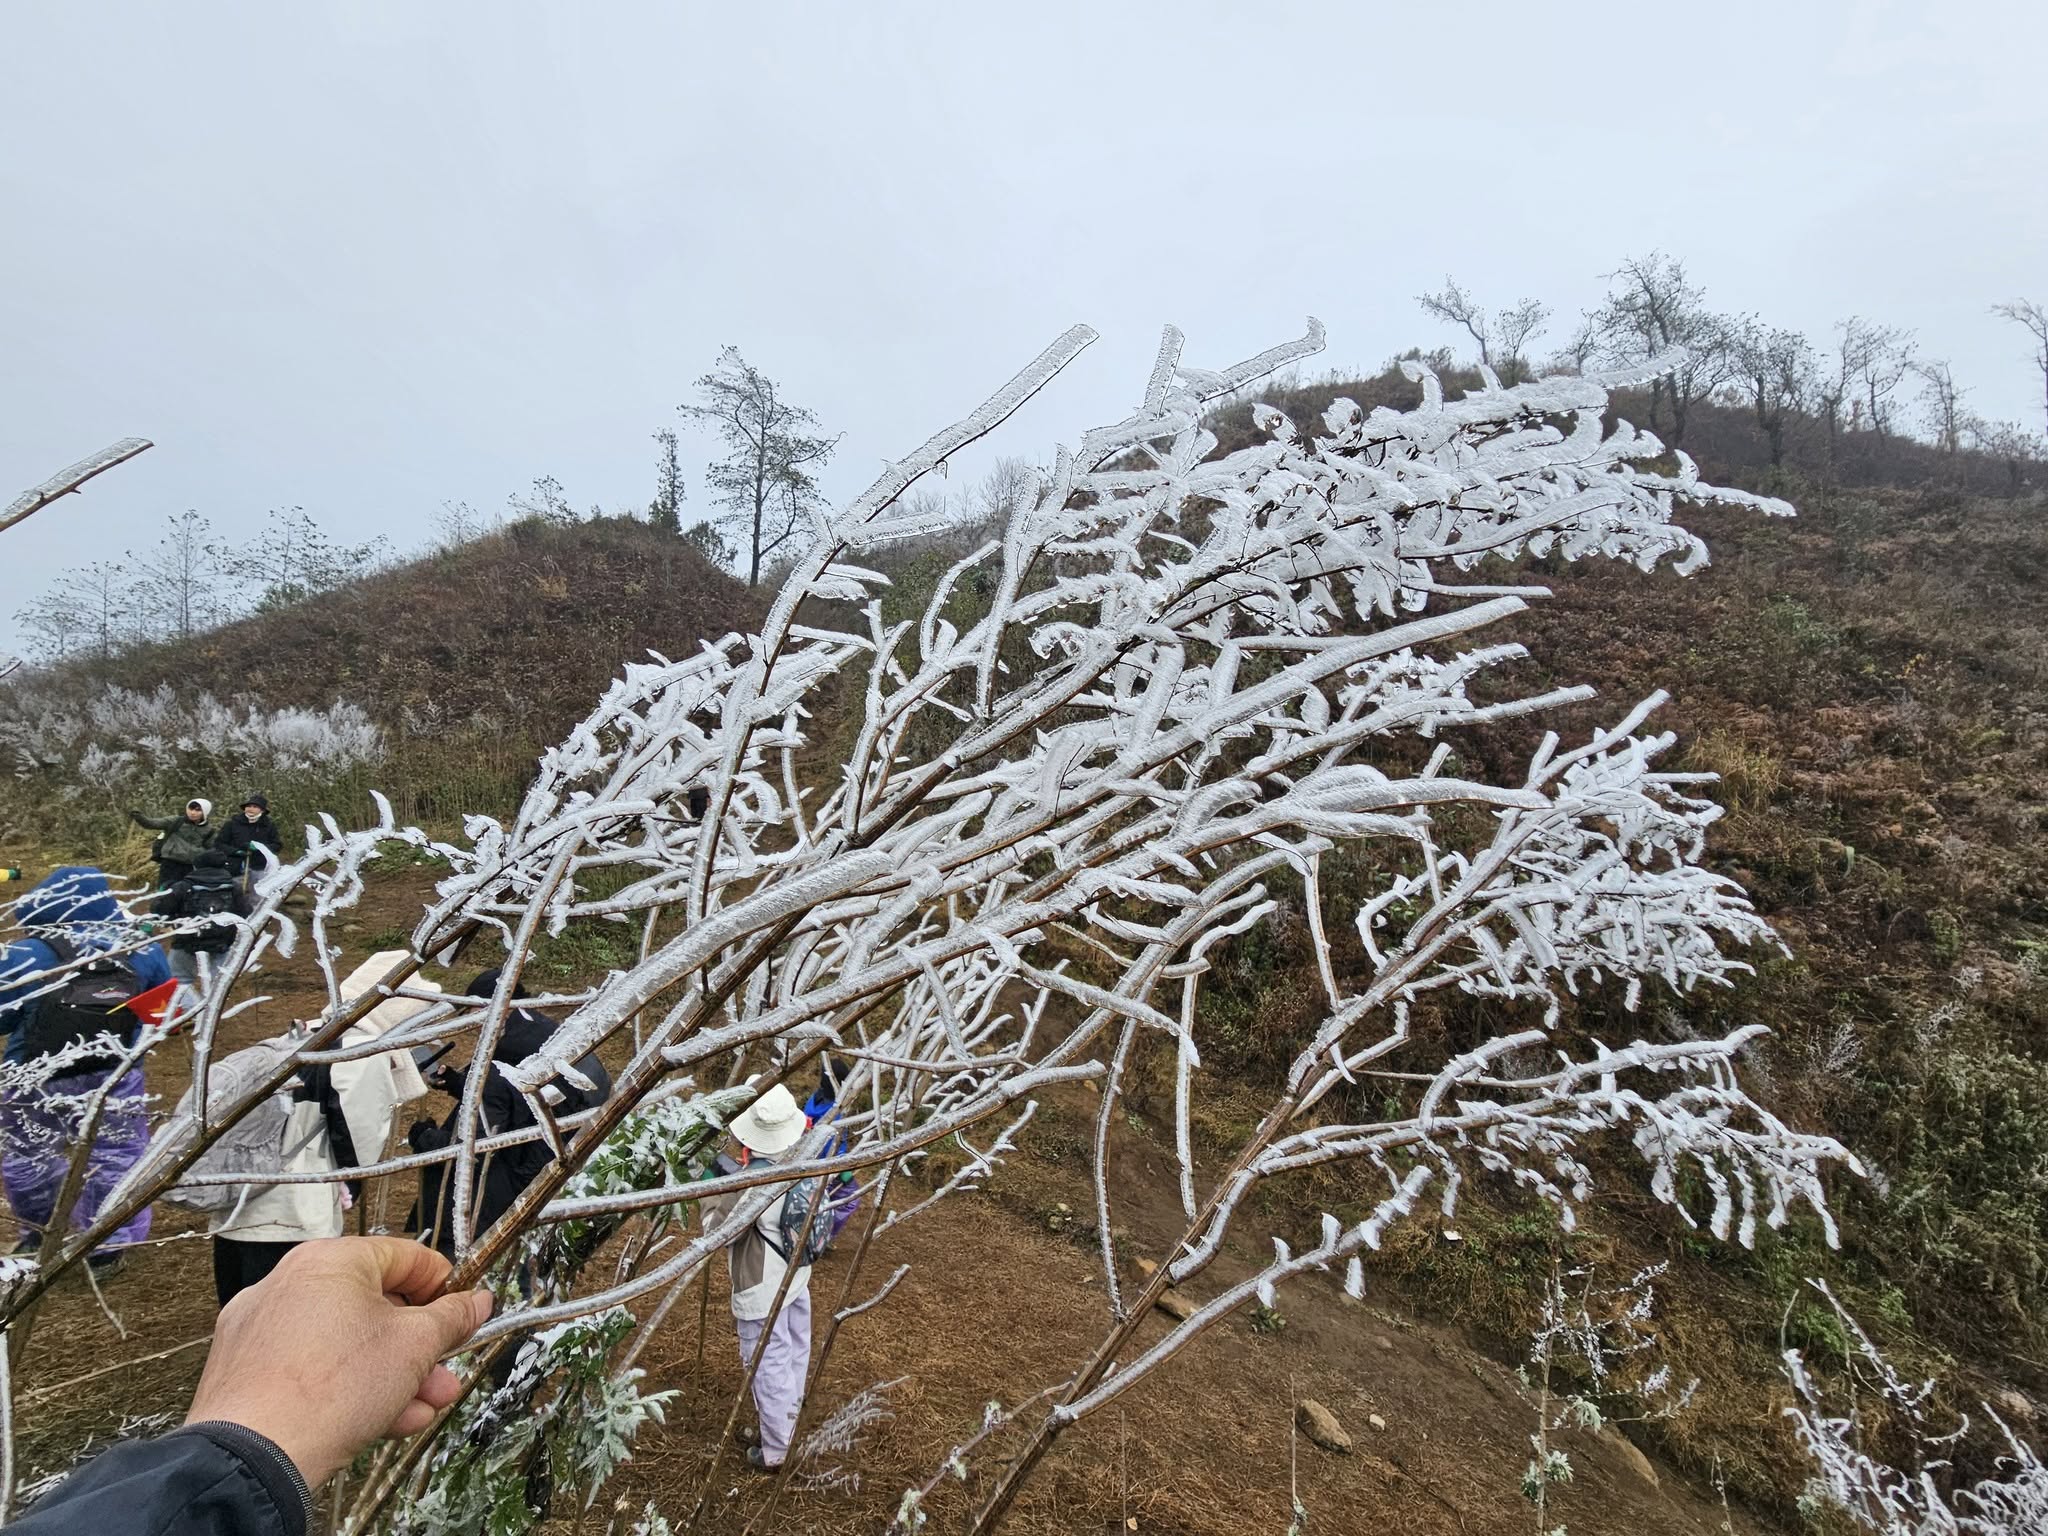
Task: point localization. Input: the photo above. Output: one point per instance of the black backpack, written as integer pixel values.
(207, 898)
(82, 1007)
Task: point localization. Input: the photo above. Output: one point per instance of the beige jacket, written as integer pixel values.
(752, 1263)
(371, 1089)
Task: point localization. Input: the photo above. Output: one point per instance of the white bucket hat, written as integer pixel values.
(772, 1124)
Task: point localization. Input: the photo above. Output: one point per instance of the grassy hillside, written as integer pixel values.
(521, 629)
(471, 660)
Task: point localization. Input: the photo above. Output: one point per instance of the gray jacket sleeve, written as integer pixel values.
(202, 1480)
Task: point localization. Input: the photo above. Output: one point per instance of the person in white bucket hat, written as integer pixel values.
(757, 1260)
(771, 1125)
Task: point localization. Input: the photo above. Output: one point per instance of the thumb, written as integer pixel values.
(445, 1323)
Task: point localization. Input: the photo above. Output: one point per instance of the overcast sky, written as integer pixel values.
(371, 258)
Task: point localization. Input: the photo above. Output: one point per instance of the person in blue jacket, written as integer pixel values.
(336, 1347)
(842, 1191)
(69, 914)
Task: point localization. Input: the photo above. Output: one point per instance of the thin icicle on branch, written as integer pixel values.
(1108, 743)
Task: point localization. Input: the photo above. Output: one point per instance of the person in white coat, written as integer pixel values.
(341, 1117)
(756, 1261)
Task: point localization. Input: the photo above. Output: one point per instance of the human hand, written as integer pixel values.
(337, 1347)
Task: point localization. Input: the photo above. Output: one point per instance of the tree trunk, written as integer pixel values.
(1771, 423)
(760, 502)
(754, 557)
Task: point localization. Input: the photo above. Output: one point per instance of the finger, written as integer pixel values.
(413, 1418)
(411, 1270)
(440, 1389)
(446, 1323)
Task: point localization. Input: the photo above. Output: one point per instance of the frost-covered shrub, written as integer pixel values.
(505, 1450)
(1915, 1492)
(1174, 680)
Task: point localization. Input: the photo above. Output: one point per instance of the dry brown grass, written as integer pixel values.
(1751, 773)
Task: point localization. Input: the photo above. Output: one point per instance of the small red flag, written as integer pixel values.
(150, 1006)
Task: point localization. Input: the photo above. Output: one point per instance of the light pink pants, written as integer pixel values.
(785, 1361)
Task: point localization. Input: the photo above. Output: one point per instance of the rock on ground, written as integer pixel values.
(1321, 1426)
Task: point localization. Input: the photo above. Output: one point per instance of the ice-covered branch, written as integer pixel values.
(1922, 1497)
(1172, 690)
(65, 481)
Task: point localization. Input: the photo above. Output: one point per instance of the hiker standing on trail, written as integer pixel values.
(210, 890)
(68, 917)
(241, 835)
(758, 1259)
(185, 837)
(503, 1174)
(337, 1115)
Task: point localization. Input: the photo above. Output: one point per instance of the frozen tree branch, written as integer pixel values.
(1920, 1499)
(65, 481)
(1173, 687)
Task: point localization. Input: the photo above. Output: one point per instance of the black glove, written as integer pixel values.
(423, 1136)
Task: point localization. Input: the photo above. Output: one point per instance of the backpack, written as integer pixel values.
(252, 1147)
(796, 1210)
(207, 899)
(78, 1008)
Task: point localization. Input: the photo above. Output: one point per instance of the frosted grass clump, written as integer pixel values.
(120, 735)
(1921, 1497)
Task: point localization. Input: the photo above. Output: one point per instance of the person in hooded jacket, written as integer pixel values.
(241, 835)
(502, 1174)
(185, 836)
(70, 913)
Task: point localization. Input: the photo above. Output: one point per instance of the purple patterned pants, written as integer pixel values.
(37, 1131)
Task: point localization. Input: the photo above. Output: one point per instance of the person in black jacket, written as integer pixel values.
(336, 1349)
(211, 889)
(242, 833)
(502, 1174)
